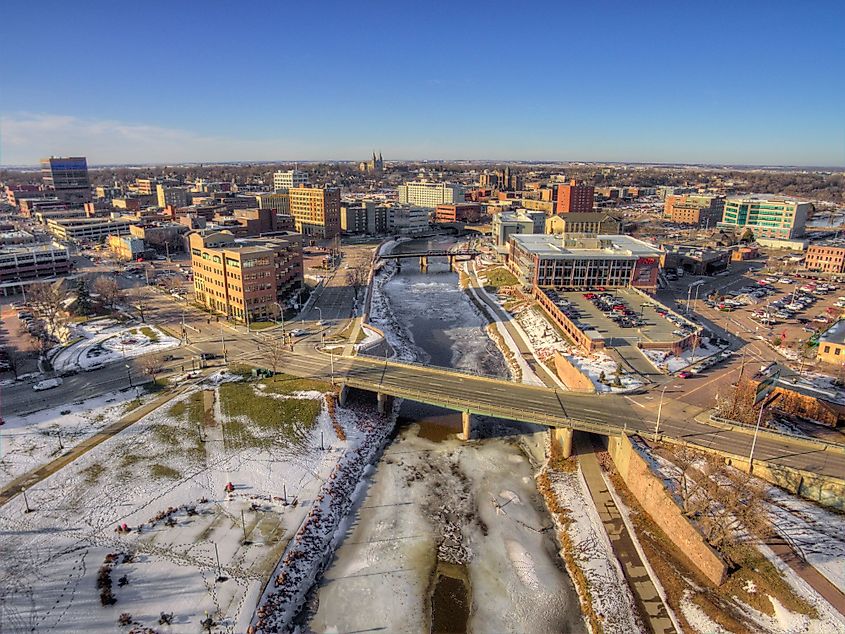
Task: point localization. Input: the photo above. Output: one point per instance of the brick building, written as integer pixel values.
(458, 212)
(827, 258)
(573, 197)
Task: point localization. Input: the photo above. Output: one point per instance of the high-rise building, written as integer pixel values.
(246, 279)
(690, 209)
(364, 217)
(767, 217)
(316, 211)
(574, 197)
(289, 179)
(67, 176)
(425, 194)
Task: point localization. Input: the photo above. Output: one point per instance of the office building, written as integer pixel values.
(67, 177)
(278, 201)
(610, 261)
(593, 222)
(407, 219)
(694, 209)
(364, 217)
(289, 179)
(26, 262)
(316, 211)
(826, 257)
(126, 247)
(767, 216)
(246, 279)
(508, 223)
(573, 197)
(458, 212)
(425, 194)
(87, 229)
(172, 195)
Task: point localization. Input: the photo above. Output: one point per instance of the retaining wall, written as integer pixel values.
(571, 376)
(658, 502)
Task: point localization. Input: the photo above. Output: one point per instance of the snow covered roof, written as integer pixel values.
(551, 246)
(834, 334)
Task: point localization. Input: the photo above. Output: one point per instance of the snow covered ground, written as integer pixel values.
(165, 478)
(27, 442)
(105, 340)
(670, 363)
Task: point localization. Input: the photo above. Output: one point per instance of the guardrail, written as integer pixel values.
(735, 424)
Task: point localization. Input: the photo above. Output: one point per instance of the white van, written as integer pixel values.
(47, 384)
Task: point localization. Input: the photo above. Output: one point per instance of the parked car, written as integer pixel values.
(685, 374)
(47, 384)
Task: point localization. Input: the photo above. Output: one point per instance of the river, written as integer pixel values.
(451, 536)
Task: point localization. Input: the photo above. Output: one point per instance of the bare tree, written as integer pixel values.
(107, 288)
(275, 349)
(356, 277)
(152, 365)
(138, 300)
(47, 300)
(13, 358)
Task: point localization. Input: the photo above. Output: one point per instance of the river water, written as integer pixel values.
(452, 536)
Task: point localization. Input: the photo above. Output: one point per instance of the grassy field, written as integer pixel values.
(498, 277)
(287, 384)
(254, 420)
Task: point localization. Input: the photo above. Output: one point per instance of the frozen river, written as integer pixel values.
(452, 536)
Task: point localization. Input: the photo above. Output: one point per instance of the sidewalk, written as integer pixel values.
(648, 600)
(813, 577)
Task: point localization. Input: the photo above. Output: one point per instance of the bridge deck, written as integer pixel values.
(430, 254)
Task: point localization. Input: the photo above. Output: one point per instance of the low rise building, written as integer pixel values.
(126, 247)
(508, 223)
(14, 236)
(407, 219)
(697, 210)
(26, 262)
(794, 394)
(609, 261)
(458, 212)
(285, 180)
(832, 344)
(594, 222)
(245, 279)
(697, 260)
(161, 236)
(172, 195)
(826, 257)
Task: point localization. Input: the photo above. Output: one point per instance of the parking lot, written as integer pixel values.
(620, 315)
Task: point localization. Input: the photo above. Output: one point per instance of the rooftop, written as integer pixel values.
(22, 249)
(551, 246)
(766, 198)
(834, 334)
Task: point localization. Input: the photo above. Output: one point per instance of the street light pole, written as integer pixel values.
(282, 315)
(223, 341)
(754, 441)
(331, 356)
(659, 412)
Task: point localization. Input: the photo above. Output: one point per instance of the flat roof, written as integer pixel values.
(32, 248)
(834, 334)
(551, 246)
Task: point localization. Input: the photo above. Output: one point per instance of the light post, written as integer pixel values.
(223, 342)
(282, 315)
(331, 356)
(754, 441)
(659, 412)
(320, 311)
(129, 375)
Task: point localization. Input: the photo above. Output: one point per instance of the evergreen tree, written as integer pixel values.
(83, 298)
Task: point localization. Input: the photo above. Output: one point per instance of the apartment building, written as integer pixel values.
(172, 195)
(825, 257)
(594, 222)
(88, 229)
(610, 261)
(425, 194)
(315, 211)
(407, 219)
(364, 217)
(694, 209)
(573, 197)
(279, 201)
(284, 180)
(245, 279)
(25, 262)
(767, 216)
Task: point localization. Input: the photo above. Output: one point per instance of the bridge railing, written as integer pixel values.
(768, 430)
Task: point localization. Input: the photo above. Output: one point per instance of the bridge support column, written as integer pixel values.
(561, 441)
(384, 403)
(452, 266)
(341, 396)
(423, 263)
(466, 426)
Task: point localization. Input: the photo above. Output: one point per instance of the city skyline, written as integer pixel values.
(619, 84)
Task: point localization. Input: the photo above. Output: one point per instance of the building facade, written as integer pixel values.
(364, 217)
(316, 211)
(425, 194)
(584, 262)
(583, 222)
(87, 229)
(246, 280)
(173, 196)
(696, 210)
(407, 219)
(284, 180)
(832, 344)
(825, 258)
(573, 197)
(67, 176)
(126, 247)
(767, 217)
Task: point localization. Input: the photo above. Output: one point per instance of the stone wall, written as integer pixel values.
(658, 502)
(571, 376)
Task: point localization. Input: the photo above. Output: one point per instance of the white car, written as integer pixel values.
(47, 384)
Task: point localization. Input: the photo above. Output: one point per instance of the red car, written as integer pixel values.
(685, 374)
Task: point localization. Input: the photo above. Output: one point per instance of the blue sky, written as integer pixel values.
(719, 82)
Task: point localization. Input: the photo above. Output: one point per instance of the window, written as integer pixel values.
(826, 349)
(838, 351)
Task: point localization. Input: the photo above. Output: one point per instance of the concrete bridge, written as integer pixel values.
(454, 256)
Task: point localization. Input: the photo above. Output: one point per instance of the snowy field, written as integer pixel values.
(27, 442)
(671, 363)
(67, 568)
(105, 340)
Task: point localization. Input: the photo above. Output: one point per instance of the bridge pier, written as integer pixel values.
(341, 396)
(466, 426)
(423, 263)
(561, 441)
(384, 403)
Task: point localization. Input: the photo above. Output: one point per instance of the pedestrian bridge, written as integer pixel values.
(423, 256)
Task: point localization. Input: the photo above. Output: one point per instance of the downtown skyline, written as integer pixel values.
(663, 85)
